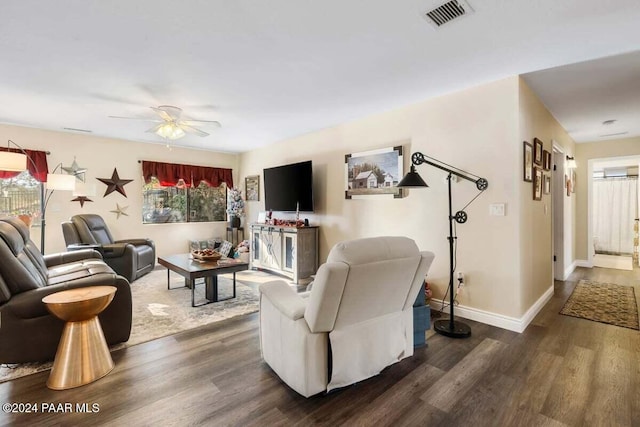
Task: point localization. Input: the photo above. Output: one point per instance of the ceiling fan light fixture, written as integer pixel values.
(170, 131)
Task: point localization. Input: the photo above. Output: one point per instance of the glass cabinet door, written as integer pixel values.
(289, 252)
(255, 244)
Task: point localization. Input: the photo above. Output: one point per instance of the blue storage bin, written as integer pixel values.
(421, 320)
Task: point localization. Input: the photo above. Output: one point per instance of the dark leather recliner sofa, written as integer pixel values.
(131, 258)
(28, 332)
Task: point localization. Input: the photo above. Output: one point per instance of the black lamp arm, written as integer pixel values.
(418, 158)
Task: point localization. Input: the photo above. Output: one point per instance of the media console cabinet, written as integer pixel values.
(289, 251)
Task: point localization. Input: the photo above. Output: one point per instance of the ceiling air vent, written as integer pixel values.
(447, 12)
(78, 130)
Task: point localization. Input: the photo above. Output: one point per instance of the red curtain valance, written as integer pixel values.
(170, 173)
(38, 167)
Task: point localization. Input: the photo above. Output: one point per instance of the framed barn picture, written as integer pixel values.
(374, 173)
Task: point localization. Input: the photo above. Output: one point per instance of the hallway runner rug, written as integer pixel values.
(604, 303)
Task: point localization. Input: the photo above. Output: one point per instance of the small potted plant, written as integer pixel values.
(235, 207)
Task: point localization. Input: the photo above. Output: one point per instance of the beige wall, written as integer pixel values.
(536, 255)
(475, 130)
(100, 156)
(584, 153)
(506, 260)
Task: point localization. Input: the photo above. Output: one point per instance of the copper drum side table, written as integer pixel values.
(82, 356)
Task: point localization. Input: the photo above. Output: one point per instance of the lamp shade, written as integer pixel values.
(84, 189)
(13, 162)
(412, 179)
(571, 163)
(57, 181)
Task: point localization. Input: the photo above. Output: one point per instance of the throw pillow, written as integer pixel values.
(225, 248)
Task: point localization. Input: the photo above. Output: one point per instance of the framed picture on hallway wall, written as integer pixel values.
(537, 183)
(546, 160)
(527, 162)
(537, 151)
(546, 188)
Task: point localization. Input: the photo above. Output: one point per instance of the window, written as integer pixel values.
(179, 203)
(20, 195)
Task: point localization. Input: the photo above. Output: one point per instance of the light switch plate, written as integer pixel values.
(497, 209)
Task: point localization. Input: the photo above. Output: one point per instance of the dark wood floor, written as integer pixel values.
(560, 371)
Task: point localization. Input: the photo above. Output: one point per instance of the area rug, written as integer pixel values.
(158, 312)
(604, 303)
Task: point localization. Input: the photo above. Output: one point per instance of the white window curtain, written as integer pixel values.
(615, 208)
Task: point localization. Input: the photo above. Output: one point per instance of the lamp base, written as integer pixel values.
(460, 330)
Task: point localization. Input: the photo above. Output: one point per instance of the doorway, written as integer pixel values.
(558, 213)
(613, 212)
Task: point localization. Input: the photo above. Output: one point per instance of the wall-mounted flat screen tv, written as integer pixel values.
(289, 187)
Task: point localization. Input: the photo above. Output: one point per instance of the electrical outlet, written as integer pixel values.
(460, 278)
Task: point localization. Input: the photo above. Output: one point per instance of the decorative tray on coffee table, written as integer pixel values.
(206, 255)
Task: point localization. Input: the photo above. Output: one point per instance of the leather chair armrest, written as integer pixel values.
(29, 305)
(51, 260)
(137, 242)
(114, 250)
(284, 299)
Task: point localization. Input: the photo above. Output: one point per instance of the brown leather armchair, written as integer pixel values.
(28, 332)
(131, 258)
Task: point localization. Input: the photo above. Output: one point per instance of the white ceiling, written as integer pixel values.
(269, 70)
(584, 95)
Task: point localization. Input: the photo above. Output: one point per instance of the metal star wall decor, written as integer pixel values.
(75, 170)
(120, 210)
(114, 183)
(82, 200)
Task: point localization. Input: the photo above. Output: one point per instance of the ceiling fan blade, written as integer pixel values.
(111, 98)
(192, 130)
(163, 114)
(155, 128)
(168, 112)
(136, 118)
(190, 122)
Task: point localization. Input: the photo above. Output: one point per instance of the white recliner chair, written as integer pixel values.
(360, 309)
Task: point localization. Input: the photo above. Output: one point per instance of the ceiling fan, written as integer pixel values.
(171, 125)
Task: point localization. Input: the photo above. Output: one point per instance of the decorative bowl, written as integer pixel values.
(206, 255)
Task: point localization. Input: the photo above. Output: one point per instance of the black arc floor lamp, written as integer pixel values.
(448, 327)
(17, 162)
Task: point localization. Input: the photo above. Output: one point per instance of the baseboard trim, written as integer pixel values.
(500, 320)
(577, 263)
(567, 272)
(583, 263)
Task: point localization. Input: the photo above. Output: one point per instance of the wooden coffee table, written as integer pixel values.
(83, 355)
(192, 269)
